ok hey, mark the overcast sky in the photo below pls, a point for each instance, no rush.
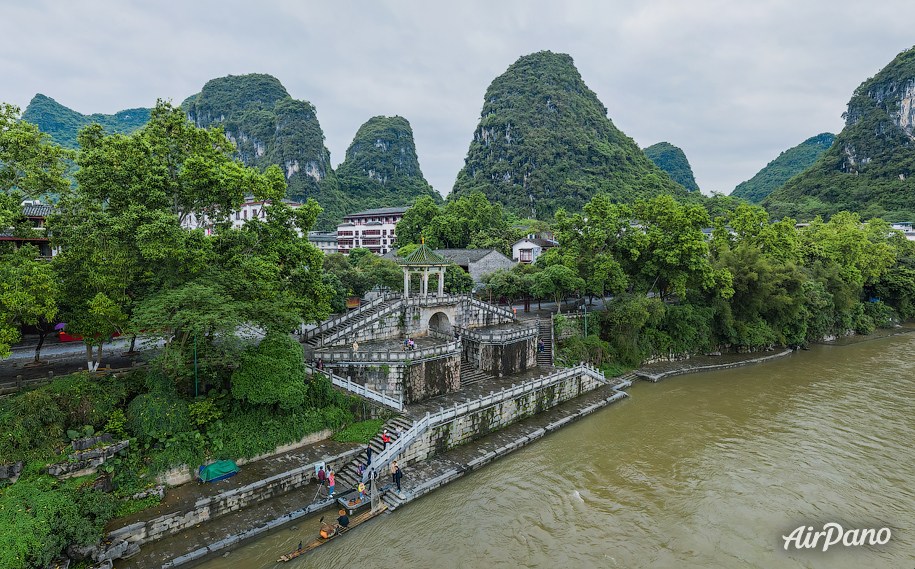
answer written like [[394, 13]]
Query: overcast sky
[[732, 83]]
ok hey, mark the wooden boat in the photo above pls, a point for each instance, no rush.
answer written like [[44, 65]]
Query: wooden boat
[[354, 522]]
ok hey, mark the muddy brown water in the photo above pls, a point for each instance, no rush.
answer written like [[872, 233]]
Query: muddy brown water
[[702, 470]]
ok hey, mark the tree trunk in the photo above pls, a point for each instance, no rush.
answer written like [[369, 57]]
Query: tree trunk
[[41, 336], [89, 356], [133, 343], [99, 362]]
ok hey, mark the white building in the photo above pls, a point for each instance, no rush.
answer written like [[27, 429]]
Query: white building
[[527, 250], [906, 229], [250, 209], [326, 241], [372, 229]]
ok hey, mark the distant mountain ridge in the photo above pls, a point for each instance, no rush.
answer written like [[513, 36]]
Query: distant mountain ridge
[[63, 123], [673, 160], [788, 164], [544, 142], [870, 166]]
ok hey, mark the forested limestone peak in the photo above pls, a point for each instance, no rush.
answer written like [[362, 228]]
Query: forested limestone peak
[[267, 127], [544, 142], [673, 160], [381, 168], [63, 123], [869, 167], [788, 164]]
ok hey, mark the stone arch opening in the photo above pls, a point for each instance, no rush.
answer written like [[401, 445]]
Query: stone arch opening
[[440, 324]]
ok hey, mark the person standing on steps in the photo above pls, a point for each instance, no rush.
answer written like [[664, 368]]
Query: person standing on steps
[[396, 474], [368, 455], [385, 439], [331, 481], [540, 346], [322, 476]]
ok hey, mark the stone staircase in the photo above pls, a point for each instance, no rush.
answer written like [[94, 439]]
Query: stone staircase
[[545, 330], [348, 475], [471, 375], [315, 340]]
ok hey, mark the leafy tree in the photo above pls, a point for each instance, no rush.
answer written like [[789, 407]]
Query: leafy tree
[[457, 280], [27, 294], [272, 373], [410, 229], [29, 166], [676, 257], [187, 286], [557, 281]]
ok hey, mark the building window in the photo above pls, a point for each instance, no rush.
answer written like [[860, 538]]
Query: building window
[[237, 215]]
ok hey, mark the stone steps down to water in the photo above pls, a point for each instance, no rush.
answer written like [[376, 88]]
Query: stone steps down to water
[[471, 375], [545, 329], [347, 476]]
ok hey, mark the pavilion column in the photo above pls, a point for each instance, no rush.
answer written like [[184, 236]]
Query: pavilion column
[[441, 281], [406, 283], [425, 282]]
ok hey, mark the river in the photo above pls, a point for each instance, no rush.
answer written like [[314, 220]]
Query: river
[[703, 470]]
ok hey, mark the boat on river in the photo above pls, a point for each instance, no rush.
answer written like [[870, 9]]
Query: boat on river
[[327, 536]]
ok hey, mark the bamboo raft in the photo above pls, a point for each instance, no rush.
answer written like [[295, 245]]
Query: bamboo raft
[[318, 542]]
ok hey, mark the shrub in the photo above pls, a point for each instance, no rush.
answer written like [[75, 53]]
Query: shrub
[[203, 413], [31, 426], [155, 417], [271, 373], [42, 516]]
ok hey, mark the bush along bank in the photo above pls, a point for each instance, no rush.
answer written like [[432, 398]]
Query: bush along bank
[[114, 435]]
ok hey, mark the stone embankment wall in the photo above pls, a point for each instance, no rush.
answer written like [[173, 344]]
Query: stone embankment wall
[[480, 422], [431, 378], [506, 359]]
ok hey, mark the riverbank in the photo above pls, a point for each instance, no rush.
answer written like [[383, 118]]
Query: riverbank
[[220, 536], [196, 544]]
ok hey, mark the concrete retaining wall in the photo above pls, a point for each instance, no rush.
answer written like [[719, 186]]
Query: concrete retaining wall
[[506, 359], [478, 423]]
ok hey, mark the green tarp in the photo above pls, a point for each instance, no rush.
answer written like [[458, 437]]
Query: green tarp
[[219, 470]]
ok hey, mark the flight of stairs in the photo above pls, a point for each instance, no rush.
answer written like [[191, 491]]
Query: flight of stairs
[[313, 341], [545, 327], [471, 375], [348, 474]]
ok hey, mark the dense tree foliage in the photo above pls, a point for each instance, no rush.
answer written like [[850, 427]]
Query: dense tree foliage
[[121, 221], [544, 142], [30, 166], [672, 160], [469, 220], [788, 164], [381, 168], [868, 169]]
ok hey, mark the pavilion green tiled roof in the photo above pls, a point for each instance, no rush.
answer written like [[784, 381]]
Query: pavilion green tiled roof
[[425, 256]]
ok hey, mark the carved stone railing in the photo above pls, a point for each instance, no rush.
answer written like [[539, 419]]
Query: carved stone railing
[[330, 355], [430, 420], [395, 403], [331, 323], [499, 336]]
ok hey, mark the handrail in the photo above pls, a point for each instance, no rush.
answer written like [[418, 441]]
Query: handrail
[[330, 323], [491, 307], [361, 390], [384, 458], [393, 307], [387, 356], [498, 336]]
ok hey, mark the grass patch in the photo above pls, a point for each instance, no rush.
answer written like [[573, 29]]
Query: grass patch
[[128, 507], [361, 432]]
